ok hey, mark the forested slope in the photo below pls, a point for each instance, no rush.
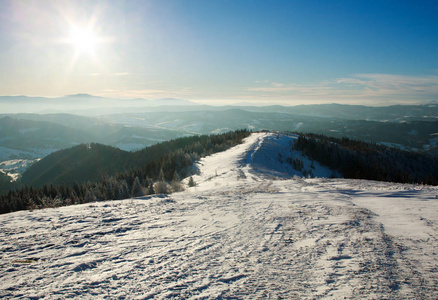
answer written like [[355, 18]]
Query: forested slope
[[361, 160], [115, 174], [85, 162]]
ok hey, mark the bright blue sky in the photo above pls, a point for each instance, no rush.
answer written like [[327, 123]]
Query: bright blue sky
[[289, 52]]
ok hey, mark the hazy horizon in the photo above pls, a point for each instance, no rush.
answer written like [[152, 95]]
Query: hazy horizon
[[223, 52]]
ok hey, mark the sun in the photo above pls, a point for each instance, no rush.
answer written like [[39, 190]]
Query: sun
[[84, 39]]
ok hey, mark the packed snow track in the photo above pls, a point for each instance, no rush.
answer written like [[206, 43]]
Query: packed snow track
[[248, 230]]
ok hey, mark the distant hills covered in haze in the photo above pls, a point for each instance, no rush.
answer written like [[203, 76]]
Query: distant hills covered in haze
[[90, 105], [27, 123], [83, 104]]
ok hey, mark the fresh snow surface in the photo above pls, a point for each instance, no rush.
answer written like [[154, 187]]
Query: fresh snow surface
[[15, 167], [246, 231]]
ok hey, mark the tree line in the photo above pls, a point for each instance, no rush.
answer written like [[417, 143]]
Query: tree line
[[362, 160], [158, 170]]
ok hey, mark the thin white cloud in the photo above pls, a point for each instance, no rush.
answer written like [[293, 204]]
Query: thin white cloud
[[122, 74], [396, 84], [110, 74], [358, 87], [146, 93], [275, 87]]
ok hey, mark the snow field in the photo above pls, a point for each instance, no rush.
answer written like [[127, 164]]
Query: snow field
[[246, 231]]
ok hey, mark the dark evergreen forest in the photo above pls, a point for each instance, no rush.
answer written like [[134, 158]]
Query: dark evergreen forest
[[362, 160], [117, 174]]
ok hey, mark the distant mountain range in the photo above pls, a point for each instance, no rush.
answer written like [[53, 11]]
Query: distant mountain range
[[90, 105], [82, 104], [36, 135], [138, 123], [130, 126]]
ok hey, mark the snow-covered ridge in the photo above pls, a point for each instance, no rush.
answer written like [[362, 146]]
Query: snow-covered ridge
[[266, 155], [246, 231]]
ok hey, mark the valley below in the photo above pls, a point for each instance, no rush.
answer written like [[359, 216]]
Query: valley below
[[247, 230]]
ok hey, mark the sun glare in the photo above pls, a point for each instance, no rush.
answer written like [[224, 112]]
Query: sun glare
[[84, 40]]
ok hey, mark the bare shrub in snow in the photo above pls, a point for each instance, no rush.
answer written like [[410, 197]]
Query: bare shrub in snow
[[176, 186], [176, 183], [162, 187], [47, 202]]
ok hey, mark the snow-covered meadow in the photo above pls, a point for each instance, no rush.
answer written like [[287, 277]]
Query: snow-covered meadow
[[248, 230]]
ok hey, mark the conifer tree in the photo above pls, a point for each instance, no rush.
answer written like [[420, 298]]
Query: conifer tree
[[89, 196], [175, 176], [151, 190], [192, 182], [176, 184], [161, 177], [136, 188]]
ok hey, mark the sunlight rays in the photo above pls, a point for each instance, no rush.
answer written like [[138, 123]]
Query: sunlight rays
[[84, 40]]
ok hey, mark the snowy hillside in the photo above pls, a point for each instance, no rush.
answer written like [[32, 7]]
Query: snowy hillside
[[14, 168], [248, 230]]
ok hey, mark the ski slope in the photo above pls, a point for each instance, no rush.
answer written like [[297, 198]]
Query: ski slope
[[250, 229]]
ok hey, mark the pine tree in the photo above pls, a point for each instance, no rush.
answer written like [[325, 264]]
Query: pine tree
[[151, 190], [89, 196], [192, 182], [161, 177], [122, 190], [176, 184], [136, 188], [175, 176]]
